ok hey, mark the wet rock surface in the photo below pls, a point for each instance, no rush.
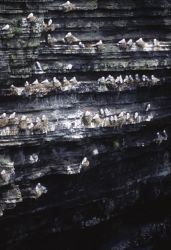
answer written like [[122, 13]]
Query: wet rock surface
[[85, 124]]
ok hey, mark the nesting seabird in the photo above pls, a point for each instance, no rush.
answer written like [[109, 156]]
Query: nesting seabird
[[140, 43], [39, 66], [70, 39], [128, 116], [26, 84], [81, 45], [50, 22], [6, 27], [121, 114], [106, 112], [165, 136], [87, 118], [154, 79], [31, 17], [136, 115], [65, 82], [51, 40], [4, 115], [69, 66], [23, 118], [131, 79], [148, 107], [99, 45], [56, 82], [68, 6], [97, 120], [12, 116], [101, 112], [73, 80], [159, 138], [4, 175], [137, 78], [40, 190], [101, 80], [126, 79], [130, 43], [35, 82], [156, 43], [122, 44], [46, 81], [85, 162]]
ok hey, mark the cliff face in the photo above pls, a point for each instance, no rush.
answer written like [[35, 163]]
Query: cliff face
[[85, 121]]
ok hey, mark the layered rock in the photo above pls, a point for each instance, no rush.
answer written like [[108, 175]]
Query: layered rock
[[84, 121]]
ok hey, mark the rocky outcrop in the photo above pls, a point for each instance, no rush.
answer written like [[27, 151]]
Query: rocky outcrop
[[84, 118]]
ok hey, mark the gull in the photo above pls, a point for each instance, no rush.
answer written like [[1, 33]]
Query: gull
[[156, 43], [136, 115], [12, 116], [165, 137], [154, 79], [68, 6], [6, 27], [4, 115], [140, 43], [106, 112], [121, 114], [50, 22], [23, 118], [148, 107], [97, 119], [130, 43], [102, 113], [69, 67], [26, 84], [128, 116], [85, 162], [99, 44], [46, 81], [31, 17], [35, 82], [122, 43], [137, 78], [81, 45], [65, 81], [131, 79], [73, 80], [102, 80], [69, 38]]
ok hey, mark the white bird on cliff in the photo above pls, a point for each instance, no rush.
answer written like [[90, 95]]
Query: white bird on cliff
[[46, 81], [12, 116], [148, 107], [35, 82], [122, 44], [30, 16], [50, 22], [4, 115], [81, 45], [6, 27], [154, 79], [165, 136], [140, 43], [69, 67], [156, 43]]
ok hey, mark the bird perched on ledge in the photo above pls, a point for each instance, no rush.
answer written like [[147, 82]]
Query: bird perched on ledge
[[70, 39], [6, 27], [68, 6], [31, 17], [140, 43], [99, 45]]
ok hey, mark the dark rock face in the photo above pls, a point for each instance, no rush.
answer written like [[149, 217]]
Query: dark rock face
[[85, 124]]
